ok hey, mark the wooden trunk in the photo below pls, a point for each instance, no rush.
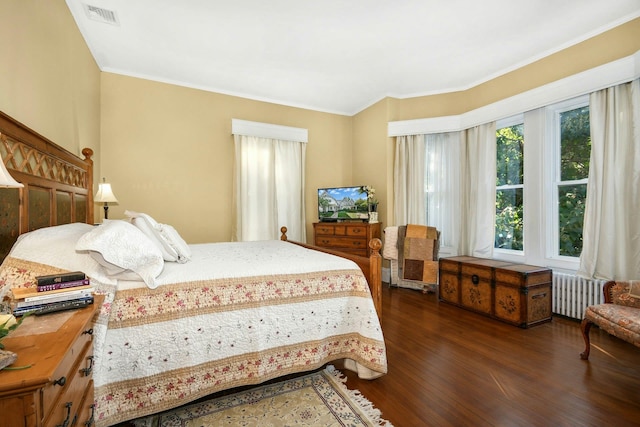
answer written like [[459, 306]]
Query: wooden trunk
[[514, 293], [523, 294]]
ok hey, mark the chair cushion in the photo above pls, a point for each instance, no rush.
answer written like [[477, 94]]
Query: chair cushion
[[618, 320]]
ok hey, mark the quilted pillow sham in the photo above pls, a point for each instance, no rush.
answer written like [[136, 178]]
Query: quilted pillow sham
[[121, 247]]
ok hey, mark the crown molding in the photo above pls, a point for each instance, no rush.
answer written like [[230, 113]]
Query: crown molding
[[603, 76]]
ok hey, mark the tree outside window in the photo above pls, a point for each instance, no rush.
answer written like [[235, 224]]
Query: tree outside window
[[509, 188], [575, 152]]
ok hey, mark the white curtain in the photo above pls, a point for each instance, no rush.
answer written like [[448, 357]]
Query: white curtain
[[479, 206], [443, 184], [268, 188], [408, 183], [611, 231]]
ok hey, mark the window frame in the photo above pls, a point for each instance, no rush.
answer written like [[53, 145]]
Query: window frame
[[517, 119], [540, 194], [553, 179]]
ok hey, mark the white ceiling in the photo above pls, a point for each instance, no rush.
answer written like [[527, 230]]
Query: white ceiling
[[338, 56]]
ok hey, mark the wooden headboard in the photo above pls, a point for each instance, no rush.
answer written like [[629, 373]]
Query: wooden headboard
[[58, 185]]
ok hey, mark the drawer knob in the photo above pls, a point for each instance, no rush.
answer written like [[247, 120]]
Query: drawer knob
[[60, 381], [65, 423], [88, 331], [475, 279], [87, 371]]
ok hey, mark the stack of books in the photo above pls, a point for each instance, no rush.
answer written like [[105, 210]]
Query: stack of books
[[53, 293]]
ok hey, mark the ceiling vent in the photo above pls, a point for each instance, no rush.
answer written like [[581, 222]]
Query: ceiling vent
[[99, 14]]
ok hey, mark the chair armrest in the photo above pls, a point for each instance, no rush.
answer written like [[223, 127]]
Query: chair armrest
[[617, 292]]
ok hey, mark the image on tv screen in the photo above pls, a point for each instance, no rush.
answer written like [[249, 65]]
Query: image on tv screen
[[343, 203]]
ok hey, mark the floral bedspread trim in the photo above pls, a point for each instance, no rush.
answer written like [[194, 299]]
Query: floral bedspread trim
[[142, 306], [160, 392], [19, 273]]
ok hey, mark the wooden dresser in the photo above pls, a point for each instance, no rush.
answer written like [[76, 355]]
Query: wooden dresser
[[57, 390], [519, 294], [352, 237]]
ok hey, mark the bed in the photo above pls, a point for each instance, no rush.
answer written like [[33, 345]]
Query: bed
[[215, 317]]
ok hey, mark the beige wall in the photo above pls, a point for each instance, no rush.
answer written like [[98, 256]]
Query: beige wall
[[620, 42], [48, 78], [168, 151]]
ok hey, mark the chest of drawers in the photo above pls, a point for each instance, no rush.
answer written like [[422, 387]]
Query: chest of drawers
[[351, 237], [57, 388]]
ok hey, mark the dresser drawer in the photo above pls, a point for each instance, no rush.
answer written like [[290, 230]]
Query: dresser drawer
[[341, 242], [69, 403], [86, 414], [66, 372], [356, 231], [325, 230]]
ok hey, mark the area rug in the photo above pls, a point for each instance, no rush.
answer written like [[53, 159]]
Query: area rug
[[317, 399]]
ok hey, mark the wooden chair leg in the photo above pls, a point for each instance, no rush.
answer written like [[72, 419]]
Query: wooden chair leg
[[585, 326]]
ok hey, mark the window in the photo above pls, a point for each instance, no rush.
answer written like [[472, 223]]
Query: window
[[573, 151], [541, 186], [269, 180], [509, 221]]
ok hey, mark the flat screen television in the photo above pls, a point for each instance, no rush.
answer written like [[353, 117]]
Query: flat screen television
[[343, 204]]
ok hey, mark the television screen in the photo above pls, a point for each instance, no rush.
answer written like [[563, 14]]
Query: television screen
[[343, 204]]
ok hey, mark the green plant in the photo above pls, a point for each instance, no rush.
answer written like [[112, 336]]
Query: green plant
[[8, 323]]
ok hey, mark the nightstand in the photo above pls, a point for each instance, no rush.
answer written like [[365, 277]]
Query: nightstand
[[57, 390]]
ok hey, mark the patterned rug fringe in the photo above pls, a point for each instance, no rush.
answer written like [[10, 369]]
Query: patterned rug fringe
[[374, 414], [337, 378]]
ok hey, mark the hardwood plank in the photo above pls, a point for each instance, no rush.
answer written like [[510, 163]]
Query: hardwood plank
[[451, 367]]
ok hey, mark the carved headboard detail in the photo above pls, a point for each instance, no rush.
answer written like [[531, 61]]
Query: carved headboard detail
[[58, 185]]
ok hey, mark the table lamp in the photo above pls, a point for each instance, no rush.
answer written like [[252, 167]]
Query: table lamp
[[105, 195]]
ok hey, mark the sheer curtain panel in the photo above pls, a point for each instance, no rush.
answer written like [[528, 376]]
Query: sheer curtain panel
[[479, 209], [268, 188], [408, 186], [611, 231], [443, 186]]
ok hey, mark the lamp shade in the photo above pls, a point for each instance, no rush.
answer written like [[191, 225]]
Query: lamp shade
[[105, 194], [6, 180]]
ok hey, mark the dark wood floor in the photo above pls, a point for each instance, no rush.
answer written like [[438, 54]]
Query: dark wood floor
[[451, 367]]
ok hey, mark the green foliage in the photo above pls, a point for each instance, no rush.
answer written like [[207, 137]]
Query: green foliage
[[509, 202], [571, 204], [575, 152], [4, 329], [575, 139], [509, 148], [509, 220]]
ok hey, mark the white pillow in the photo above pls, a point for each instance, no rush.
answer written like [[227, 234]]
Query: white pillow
[[165, 237], [125, 247], [56, 246], [171, 236]]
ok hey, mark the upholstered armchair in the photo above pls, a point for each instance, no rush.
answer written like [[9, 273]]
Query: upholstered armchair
[[619, 315]]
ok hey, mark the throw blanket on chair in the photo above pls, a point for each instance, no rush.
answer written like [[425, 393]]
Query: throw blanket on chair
[[418, 253], [390, 250]]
